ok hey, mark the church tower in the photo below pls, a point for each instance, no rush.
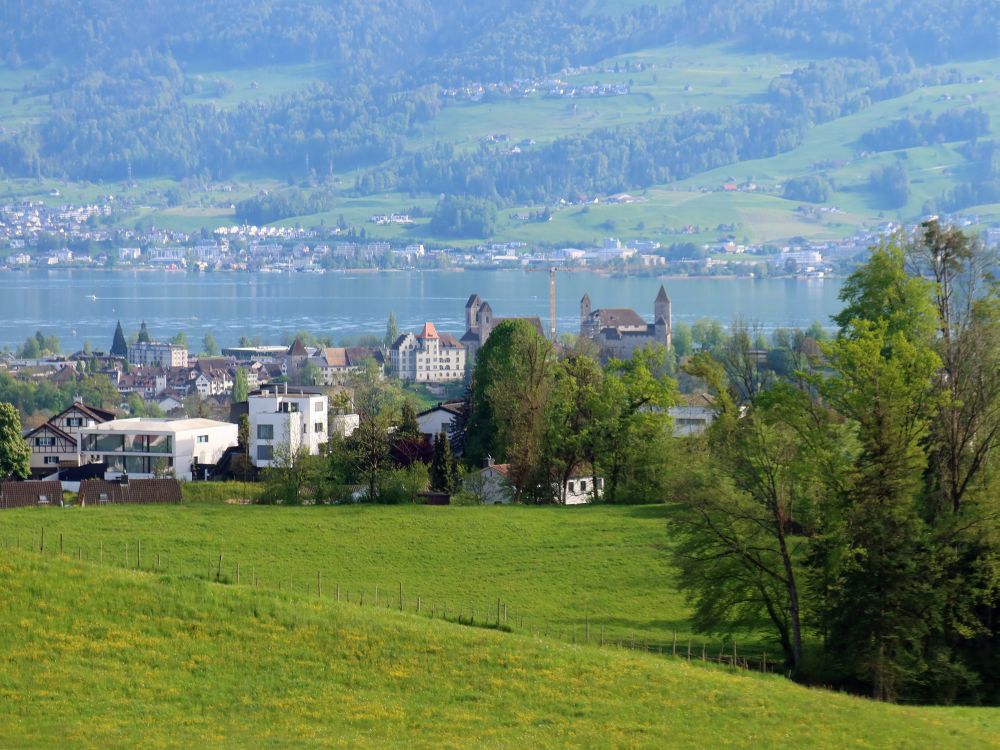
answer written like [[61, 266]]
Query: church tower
[[662, 311], [585, 314]]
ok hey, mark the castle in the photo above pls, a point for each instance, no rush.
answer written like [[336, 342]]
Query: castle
[[619, 331], [480, 322]]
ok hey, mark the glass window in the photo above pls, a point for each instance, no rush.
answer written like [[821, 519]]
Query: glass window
[[136, 444], [318, 427], [51, 459], [74, 422], [203, 438], [45, 441], [572, 486], [265, 432], [583, 486], [160, 443], [265, 452], [104, 443]]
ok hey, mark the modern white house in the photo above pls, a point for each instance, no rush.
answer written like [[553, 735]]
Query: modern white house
[[428, 357], [279, 418], [143, 447]]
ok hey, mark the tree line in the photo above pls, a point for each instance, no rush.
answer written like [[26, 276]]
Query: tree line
[[850, 505]]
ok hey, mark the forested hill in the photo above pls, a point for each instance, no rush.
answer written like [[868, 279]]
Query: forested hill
[[118, 87]]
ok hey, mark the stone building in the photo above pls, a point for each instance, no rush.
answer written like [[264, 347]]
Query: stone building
[[620, 332]]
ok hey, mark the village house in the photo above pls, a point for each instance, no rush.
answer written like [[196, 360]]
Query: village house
[[492, 485], [56, 444], [620, 332], [428, 357], [439, 418]]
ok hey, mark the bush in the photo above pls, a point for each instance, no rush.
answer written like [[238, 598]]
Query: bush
[[402, 485]]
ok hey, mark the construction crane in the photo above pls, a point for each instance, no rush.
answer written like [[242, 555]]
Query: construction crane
[[552, 299]]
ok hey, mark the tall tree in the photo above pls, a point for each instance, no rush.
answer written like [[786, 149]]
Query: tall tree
[[573, 417], [241, 388], [442, 472], [391, 331], [211, 348], [119, 348], [15, 455], [511, 385]]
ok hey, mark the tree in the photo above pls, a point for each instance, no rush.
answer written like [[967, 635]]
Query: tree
[[882, 599], [391, 331], [180, 339], [209, 345], [681, 337], [707, 333], [511, 385], [118, 346], [573, 417], [241, 388], [144, 337], [293, 477], [443, 474], [636, 395], [15, 455]]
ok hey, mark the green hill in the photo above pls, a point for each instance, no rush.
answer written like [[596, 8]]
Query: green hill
[[100, 658], [556, 568]]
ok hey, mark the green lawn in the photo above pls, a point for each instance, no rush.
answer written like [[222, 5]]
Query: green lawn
[[555, 567], [101, 658]]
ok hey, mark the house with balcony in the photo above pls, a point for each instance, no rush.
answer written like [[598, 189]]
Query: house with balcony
[[144, 447]]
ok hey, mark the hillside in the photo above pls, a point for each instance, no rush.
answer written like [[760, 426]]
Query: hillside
[[193, 112], [555, 568], [99, 658]]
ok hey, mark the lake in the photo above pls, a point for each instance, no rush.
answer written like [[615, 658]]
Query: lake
[[79, 305]]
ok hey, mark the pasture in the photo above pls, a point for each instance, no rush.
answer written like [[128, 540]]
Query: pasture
[[95, 657]]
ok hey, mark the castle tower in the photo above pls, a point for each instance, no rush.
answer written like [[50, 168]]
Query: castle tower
[[472, 310], [484, 319], [662, 311], [585, 311]]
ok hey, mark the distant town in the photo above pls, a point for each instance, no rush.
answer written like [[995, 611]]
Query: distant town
[[36, 235]]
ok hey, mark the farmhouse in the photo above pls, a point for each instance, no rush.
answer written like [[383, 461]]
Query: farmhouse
[[55, 444]]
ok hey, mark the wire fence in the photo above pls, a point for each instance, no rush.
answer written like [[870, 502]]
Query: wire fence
[[494, 615]]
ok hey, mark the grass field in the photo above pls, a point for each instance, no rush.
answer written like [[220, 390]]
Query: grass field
[[555, 567], [101, 658]]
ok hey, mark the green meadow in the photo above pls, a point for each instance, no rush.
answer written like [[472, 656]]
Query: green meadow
[[98, 658], [558, 570]]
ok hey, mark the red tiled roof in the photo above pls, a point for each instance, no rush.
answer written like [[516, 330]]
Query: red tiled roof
[[428, 332]]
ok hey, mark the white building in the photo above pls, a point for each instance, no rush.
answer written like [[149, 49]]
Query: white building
[[142, 447], [428, 357], [282, 419], [157, 354], [492, 486]]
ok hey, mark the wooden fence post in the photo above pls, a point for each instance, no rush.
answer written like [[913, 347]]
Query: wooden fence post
[[237, 574], [319, 585], [338, 592], [60, 543], [41, 546], [400, 596], [102, 553], [418, 604], [689, 649], [376, 596], [218, 572], [138, 554], [602, 636], [675, 643], [498, 611], [587, 627]]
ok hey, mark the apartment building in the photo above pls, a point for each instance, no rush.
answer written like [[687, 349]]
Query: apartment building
[[285, 417]]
